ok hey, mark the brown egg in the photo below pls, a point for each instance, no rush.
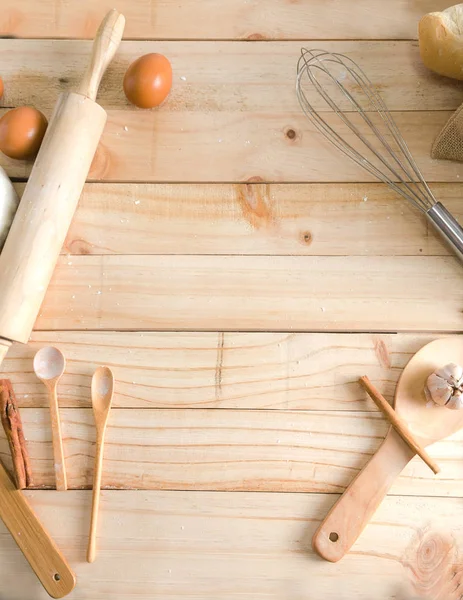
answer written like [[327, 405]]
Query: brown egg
[[21, 132], [2, 88], [148, 80]]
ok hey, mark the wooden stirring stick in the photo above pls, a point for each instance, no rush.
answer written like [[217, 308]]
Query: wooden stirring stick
[[399, 425], [102, 395]]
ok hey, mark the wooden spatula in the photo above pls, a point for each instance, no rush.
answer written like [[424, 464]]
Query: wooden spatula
[[37, 546], [428, 424]]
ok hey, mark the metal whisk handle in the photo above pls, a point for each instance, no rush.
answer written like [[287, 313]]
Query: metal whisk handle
[[448, 227]]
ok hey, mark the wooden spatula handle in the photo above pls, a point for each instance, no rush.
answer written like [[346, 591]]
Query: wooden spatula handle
[[37, 546], [354, 509], [105, 45]]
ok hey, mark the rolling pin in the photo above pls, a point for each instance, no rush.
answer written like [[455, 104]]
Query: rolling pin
[[29, 257]]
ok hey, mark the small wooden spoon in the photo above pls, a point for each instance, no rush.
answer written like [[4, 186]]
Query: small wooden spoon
[[102, 395], [49, 365], [427, 425]]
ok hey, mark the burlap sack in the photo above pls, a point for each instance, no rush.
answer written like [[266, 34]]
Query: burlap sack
[[449, 143]]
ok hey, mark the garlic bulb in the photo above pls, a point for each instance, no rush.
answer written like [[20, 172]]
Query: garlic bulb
[[445, 386]]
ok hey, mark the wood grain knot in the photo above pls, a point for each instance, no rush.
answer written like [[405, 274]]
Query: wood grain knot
[[306, 238], [255, 179], [291, 134], [255, 37], [432, 564], [78, 246], [255, 202], [101, 163], [382, 353]]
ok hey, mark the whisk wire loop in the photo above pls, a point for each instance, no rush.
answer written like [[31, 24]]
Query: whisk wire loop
[[402, 174]]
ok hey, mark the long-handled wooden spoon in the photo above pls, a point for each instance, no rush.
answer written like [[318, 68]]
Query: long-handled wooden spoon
[[427, 425], [102, 395], [49, 365]]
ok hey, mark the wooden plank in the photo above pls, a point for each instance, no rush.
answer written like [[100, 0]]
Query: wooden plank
[[219, 370], [236, 77], [216, 19], [192, 546], [288, 219], [286, 293], [227, 146], [230, 450]]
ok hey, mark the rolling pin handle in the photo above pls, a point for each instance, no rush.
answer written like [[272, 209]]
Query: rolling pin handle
[[105, 45]]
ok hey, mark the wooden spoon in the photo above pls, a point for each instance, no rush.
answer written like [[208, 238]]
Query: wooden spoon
[[102, 395], [49, 365], [428, 424]]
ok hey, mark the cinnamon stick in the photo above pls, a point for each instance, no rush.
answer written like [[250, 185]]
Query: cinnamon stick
[[12, 425], [399, 424]]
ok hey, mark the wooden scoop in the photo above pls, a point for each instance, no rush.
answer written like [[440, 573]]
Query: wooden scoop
[[428, 424], [49, 365], [102, 395]]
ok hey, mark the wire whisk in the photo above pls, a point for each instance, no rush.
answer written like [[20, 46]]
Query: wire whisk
[[337, 96]]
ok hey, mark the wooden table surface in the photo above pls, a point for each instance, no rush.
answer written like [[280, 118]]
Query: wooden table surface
[[238, 275]]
